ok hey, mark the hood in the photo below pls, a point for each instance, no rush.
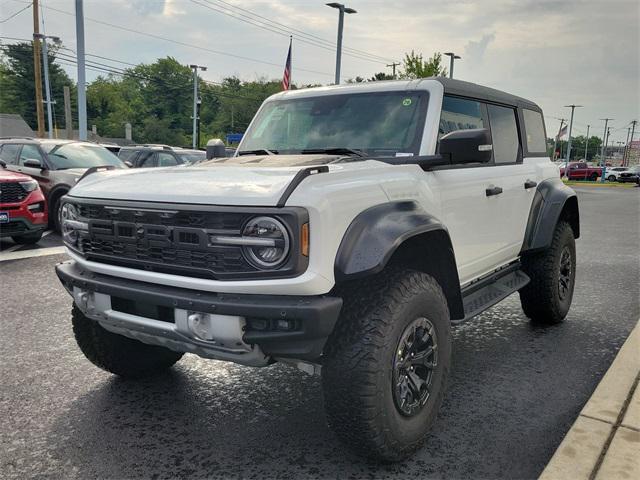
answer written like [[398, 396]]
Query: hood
[[248, 180], [10, 176]]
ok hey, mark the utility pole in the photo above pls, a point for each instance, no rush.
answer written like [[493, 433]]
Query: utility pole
[[342, 10], [196, 101], [586, 144], [566, 163], [633, 131], [82, 81], [68, 120], [452, 57], [555, 141], [603, 148], [37, 72], [393, 65], [47, 86]]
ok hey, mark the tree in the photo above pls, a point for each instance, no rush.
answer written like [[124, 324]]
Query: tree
[[17, 86], [414, 66], [381, 76], [577, 147]]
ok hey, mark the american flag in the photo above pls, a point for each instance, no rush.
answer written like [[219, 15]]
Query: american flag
[[562, 132], [286, 78]]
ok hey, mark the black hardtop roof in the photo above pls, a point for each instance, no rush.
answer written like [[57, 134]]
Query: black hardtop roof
[[468, 89]]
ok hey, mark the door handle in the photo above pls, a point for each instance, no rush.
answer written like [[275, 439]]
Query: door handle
[[493, 191], [530, 184]]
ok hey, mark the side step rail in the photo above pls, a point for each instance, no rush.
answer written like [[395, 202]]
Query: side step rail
[[488, 291]]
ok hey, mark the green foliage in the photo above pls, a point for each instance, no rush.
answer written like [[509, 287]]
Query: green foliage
[[381, 76], [577, 147], [17, 86], [415, 66]]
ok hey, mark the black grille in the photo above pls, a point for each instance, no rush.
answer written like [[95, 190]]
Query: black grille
[[12, 192]]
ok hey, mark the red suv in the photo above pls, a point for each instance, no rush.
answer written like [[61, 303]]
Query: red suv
[[23, 211]]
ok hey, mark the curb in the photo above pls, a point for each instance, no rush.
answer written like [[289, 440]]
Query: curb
[[604, 441]]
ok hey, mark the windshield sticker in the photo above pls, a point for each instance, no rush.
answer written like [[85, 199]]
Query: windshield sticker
[[406, 102]]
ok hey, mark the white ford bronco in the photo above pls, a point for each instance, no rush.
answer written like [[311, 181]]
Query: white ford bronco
[[354, 225]]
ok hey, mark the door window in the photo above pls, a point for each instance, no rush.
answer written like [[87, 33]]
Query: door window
[[166, 160], [504, 134], [459, 114], [147, 160], [30, 152], [534, 127], [9, 153]]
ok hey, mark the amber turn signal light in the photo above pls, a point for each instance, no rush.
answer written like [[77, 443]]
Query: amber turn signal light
[[304, 240]]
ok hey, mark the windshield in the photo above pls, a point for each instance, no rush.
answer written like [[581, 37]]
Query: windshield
[[78, 155], [192, 157], [375, 124]]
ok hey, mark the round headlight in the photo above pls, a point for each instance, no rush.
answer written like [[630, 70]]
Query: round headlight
[[268, 242], [69, 233]]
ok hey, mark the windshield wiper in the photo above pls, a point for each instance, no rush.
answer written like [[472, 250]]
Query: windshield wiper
[[259, 151], [335, 151]]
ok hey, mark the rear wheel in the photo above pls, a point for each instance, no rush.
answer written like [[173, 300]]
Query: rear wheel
[[386, 364], [593, 177], [547, 297], [612, 178], [117, 354]]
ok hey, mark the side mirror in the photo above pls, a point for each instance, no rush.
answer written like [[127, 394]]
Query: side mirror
[[467, 146], [215, 149], [128, 163], [32, 163]]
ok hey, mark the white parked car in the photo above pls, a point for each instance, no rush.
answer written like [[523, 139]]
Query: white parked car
[[353, 226], [614, 172]]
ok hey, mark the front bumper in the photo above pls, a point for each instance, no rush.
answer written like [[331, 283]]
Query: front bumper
[[133, 309], [23, 221]]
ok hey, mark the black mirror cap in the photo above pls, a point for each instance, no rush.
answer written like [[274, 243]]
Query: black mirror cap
[[32, 163], [467, 146], [2, 164]]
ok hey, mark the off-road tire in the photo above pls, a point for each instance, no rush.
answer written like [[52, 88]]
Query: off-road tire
[[29, 239], [116, 354], [357, 368], [540, 299]]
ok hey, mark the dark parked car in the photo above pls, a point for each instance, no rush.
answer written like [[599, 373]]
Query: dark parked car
[[56, 164], [146, 156], [631, 175]]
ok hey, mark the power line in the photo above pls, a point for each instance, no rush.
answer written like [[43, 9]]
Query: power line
[[16, 13], [274, 27], [184, 44]]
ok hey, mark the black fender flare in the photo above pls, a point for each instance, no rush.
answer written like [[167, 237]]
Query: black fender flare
[[552, 200], [377, 233]]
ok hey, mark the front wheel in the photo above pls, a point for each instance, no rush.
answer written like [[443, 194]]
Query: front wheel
[[593, 177], [612, 178], [117, 354], [547, 297], [386, 364]]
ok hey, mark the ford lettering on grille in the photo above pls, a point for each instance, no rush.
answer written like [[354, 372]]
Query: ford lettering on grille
[[149, 235]]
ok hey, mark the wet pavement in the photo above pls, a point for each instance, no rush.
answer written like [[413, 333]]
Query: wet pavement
[[514, 392]]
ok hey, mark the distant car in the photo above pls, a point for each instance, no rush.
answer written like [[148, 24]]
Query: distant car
[[613, 173], [56, 164], [581, 171], [149, 156], [23, 210], [631, 175]]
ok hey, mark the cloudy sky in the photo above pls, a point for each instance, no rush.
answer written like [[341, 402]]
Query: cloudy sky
[[552, 52]]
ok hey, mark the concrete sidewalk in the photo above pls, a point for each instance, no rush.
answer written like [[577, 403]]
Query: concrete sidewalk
[[604, 441]]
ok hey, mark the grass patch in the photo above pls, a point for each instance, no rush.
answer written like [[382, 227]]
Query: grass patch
[[587, 183]]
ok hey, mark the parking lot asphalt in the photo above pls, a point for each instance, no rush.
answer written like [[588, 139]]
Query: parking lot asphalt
[[515, 389]]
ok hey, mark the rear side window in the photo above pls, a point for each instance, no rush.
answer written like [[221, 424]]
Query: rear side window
[[459, 114], [504, 134], [534, 127], [9, 153]]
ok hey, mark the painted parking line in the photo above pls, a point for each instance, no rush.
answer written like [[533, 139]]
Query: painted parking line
[[36, 252]]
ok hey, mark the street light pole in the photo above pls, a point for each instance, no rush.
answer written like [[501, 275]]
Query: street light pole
[[342, 10], [566, 163], [196, 100], [47, 85], [452, 57], [82, 82], [603, 148], [586, 144]]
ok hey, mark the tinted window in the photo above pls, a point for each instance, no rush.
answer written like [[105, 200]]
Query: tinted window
[[166, 160], [459, 114], [30, 152], [126, 154], [376, 123], [504, 134], [192, 157], [9, 152], [534, 126], [147, 160], [79, 155]]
